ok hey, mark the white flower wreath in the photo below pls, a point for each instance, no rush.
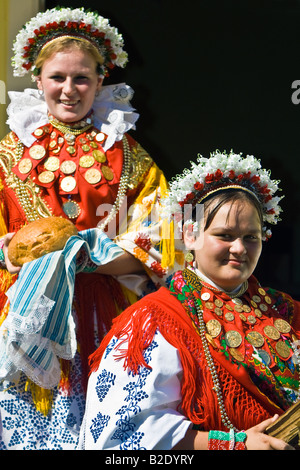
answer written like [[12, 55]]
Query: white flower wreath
[[66, 21], [220, 171]]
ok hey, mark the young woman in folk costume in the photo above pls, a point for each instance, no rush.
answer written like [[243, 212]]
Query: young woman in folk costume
[[69, 155], [210, 362]]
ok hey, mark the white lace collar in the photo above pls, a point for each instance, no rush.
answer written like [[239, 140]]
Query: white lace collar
[[113, 113]]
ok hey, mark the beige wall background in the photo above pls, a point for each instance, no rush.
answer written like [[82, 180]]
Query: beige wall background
[[14, 14]]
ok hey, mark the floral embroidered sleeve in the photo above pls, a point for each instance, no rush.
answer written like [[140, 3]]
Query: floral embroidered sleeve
[[126, 411]]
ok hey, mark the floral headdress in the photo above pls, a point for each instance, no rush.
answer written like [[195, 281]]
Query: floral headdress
[[222, 171], [59, 22]]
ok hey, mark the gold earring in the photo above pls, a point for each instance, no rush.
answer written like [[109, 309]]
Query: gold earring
[[189, 257]]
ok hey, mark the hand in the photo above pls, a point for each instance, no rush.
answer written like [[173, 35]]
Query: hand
[[9, 266], [258, 440]]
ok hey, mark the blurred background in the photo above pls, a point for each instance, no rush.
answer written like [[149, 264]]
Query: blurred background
[[208, 75]]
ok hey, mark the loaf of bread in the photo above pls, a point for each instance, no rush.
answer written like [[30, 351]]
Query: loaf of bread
[[39, 238]]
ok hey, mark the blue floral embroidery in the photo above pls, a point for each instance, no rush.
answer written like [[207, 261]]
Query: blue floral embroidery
[[98, 425], [125, 425], [110, 347], [104, 381]]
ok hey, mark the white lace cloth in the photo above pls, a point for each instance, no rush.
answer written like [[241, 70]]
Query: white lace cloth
[[113, 113]]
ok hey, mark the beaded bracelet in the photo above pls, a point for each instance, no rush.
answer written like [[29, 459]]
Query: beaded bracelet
[[220, 440]]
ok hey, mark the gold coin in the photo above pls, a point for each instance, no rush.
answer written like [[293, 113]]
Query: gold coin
[[268, 299], [251, 319], [71, 150], [213, 328], [53, 135], [52, 144], [237, 301], [271, 332], [218, 311], [265, 356], [282, 349], [263, 307], [233, 339], [282, 325], [246, 308], [205, 296], [99, 156], [68, 167], [254, 304], [256, 299], [229, 307], [93, 145], [262, 291], [209, 305], [258, 312], [38, 132], [60, 140], [52, 163], [25, 166], [242, 317], [46, 177], [236, 354], [68, 184], [86, 148], [87, 161], [56, 151], [238, 308], [255, 338], [100, 137], [107, 173], [92, 176], [218, 303], [229, 316], [37, 152]]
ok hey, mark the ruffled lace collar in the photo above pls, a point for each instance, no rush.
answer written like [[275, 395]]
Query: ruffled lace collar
[[113, 113]]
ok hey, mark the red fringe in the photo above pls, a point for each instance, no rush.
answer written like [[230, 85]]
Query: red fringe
[[137, 326], [98, 299]]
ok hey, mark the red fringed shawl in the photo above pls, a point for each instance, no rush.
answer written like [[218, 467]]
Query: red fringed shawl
[[245, 404]]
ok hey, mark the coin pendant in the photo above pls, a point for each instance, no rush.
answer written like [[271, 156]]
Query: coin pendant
[[46, 177], [261, 291], [107, 173], [255, 338], [233, 339], [100, 137], [229, 316], [25, 166], [85, 148], [87, 161], [218, 303], [263, 307], [251, 319], [229, 308], [213, 328], [246, 308], [71, 150], [282, 325], [236, 354], [68, 184], [268, 299], [237, 301], [71, 209], [92, 176], [265, 357], [258, 313], [52, 163], [209, 305], [282, 349], [68, 167], [218, 311], [271, 332], [37, 152], [205, 296], [99, 156], [256, 299]]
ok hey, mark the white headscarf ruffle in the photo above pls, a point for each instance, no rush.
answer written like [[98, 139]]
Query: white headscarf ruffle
[[113, 113]]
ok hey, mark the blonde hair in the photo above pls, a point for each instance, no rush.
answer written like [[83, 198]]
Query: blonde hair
[[64, 43]]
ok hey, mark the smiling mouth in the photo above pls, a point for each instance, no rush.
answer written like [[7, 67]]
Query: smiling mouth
[[68, 103]]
